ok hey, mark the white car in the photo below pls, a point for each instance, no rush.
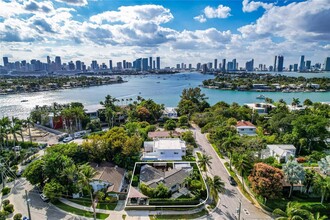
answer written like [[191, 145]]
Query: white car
[[44, 198], [67, 139]]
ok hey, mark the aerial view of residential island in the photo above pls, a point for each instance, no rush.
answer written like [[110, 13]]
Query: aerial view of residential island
[[165, 109]]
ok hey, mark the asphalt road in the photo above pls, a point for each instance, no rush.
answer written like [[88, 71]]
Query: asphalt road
[[229, 201]]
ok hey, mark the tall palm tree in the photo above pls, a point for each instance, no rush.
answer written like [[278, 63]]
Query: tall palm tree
[[16, 129], [4, 126], [294, 173], [109, 114], [295, 101], [322, 186], [231, 142], [216, 186], [293, 212], [70, 173], [204, 162], [28, 123], [86, 174], [242, 164]]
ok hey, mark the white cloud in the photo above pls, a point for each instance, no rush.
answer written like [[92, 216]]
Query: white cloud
[[220, 12], [250, 6], [200, 18], [209, 12], [74, 2], [128, 14]]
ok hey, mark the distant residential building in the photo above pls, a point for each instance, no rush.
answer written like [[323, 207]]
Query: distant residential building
[[124, 64], [249, 66], [164, 149], [204, 68], [144, 64], [246, 128], [230, 66], [78, 65], [94, 65], [170, 112], [209, 65], [280, 63], [295, 67], [290, 67], [5, 61], [234, 64], [119, 65], [293, 108], [58, 62], [198, 66], [261, 108], [71, 65], [158, 62], [110, 64], [282, 152], [302, 63], [275, 64], [150, 63], [327, 64], [308, 64], [215, 63], [223, 65]]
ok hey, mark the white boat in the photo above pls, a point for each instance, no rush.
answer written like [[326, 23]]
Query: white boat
[[261, 97]]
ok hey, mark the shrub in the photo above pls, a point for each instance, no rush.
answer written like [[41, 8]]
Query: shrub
[[9, 208], [18, 216], [110, 199], [301, 159], [5, 202], [135, 181], [195, 184], [5, 191]]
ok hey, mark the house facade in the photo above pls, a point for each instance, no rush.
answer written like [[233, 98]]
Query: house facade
[[164, 149], [246, 128], [170, 112]]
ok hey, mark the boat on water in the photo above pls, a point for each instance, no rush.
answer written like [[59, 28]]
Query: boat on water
[[24, 100], [261, 97], [158, 82]]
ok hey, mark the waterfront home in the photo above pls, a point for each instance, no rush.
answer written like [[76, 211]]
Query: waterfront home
[[92, 111], [282, 152], [109, 177], [293, 108], [164, 149], [261, 108], [170, 112], [173, 179], [246, 128], [163, 134]]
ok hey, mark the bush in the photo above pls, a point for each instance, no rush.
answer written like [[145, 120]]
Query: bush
[[111, 199], [5, 191], [301, 159], [5, 202], [173, 202], [9, 208], [135, 181], [18, 216]]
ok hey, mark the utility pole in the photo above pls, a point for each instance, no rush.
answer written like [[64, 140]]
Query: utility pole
[[28, 204], [239, 210]]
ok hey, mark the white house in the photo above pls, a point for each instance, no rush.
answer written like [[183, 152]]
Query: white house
[[246, 128], [261, 108], [282, 152], [170, 112], [164, 149]]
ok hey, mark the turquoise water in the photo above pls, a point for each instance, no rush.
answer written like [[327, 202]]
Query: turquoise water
[[164, 89]]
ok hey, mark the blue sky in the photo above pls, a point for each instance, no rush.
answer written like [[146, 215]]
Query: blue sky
[[188, 31]]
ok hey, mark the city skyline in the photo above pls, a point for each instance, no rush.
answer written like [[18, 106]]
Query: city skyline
[[178, 31]]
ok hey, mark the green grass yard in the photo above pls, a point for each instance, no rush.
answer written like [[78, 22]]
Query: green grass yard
[[106, 206], [180, 217]]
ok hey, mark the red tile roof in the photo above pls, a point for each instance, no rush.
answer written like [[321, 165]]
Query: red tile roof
[[244, 123]]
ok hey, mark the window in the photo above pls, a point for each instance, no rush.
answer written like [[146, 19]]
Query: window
[[176, 152], [162, 153], [251, 129]]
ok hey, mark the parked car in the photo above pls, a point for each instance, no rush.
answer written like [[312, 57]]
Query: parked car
[[232, 181], [17, 148], [44, 198], [19, 172], [67, 139], [42, 145], [61, 137]]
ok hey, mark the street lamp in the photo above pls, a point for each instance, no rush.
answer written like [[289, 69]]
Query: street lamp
[[238, 210]]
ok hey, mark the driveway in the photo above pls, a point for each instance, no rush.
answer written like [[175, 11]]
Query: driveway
[[229, 201]]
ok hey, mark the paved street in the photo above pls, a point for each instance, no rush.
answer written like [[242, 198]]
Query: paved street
[[230, 200]]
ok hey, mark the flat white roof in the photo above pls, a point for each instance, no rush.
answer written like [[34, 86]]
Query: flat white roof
[[169, 144]]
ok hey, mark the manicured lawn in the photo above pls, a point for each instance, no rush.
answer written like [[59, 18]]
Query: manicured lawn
[[79, 211], [185, 216], [107, 206], [82, 201]]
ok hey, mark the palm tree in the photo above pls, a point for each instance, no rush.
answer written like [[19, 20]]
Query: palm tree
[[16, 129], [204, 162], [109, 102], [317, 216], [70, 173], [216, 186], [293, 212], [86, 174], [28, 123], [294, 173], [242, 165], [4, 126], [309, 179], [295, 101], [231, 142], [109, 114], [322, 186]]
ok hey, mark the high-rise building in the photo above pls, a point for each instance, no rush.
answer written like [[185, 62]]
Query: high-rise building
[[234, 64], [308, 64], [144, 64], [230, 66], [215, 63], [124, 64], [94, 65], [327, 64], [153, 64], [110, 64], [295, 67], [249, 65], [71, 65], [150, 63], [5, 61], [290, 67], [58, 62], [48, 60], [302, 63], [198, 66], [137, 64], [275, 64], [158, 62], [119, 65], [204, 68], [280, 63], [190, 66], [178, 66], [209, 65], [78, 65], [83, 66], [223, 65]]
